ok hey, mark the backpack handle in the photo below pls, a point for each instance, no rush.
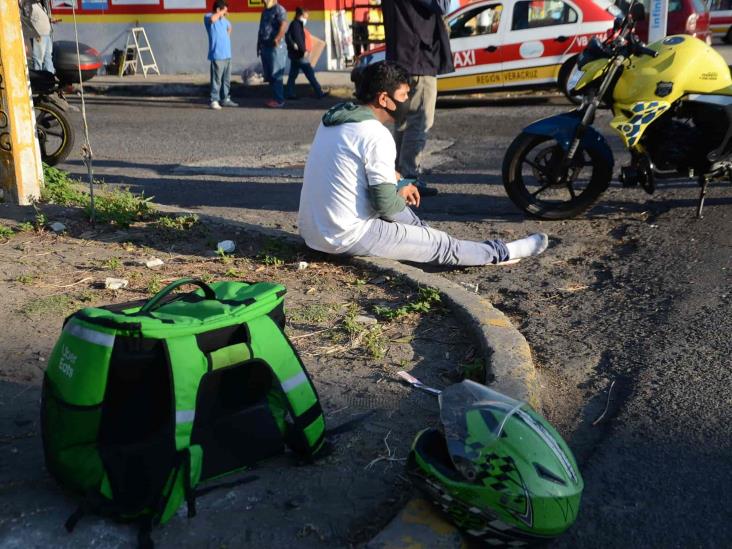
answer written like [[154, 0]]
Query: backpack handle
[[154, 302]]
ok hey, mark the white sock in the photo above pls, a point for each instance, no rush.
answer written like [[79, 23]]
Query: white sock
[[526, 247]]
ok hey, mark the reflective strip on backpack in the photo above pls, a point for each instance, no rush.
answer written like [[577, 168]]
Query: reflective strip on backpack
[[294, 382], [89, 335], [185, 416]]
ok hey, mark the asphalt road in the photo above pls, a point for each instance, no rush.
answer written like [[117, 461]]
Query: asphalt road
[[628, 312]]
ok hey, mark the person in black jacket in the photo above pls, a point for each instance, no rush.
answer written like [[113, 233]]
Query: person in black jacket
[[417, 39], [299, 56]]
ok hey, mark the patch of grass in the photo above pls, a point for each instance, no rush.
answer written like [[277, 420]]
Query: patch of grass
[[314, 313], [276, 252], [120, 207], [5, 232], [40, 221], [474, 370], [154, 285], [51, 305], [349, 324], [25, 279], [376, 342], [233, 272], [177, 223], [223, 256], [112, 264], [26, 227], [60, 188], [117, 206], [427, 299]]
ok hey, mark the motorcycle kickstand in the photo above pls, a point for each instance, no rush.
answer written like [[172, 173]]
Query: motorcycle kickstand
[[703, 182]]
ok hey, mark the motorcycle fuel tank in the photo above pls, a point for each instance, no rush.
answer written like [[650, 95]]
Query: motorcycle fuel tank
[[684, 65]]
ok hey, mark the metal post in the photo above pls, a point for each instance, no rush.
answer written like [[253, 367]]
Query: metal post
[[21, 171], [657, 19]]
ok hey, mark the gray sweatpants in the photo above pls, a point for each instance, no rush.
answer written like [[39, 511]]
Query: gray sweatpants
[[411, 132], [409, 238]]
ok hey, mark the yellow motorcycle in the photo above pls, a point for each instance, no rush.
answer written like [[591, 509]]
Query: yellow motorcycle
[[672, 106]]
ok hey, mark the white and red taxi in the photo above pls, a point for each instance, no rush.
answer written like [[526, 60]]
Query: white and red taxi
[[721, 19], [498, 44]]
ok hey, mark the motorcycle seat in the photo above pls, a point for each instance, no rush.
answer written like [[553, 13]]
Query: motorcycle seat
[[42, 81]]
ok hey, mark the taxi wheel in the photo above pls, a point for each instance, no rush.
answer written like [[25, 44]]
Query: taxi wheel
[[563, 79], [529, 177], [728, 37]]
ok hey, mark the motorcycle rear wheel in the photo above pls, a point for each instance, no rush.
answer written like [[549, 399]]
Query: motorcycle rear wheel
[[529, 182], [54, 132]]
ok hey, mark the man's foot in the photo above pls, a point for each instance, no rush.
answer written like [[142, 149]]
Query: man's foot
[[215, 105], [526, 247], [272, 104], [229, 103], [322, 95]]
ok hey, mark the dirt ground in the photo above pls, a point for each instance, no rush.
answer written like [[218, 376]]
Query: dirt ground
[[352, 356]]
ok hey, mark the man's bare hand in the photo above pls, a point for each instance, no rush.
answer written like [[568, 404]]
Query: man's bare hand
[[410, 194]]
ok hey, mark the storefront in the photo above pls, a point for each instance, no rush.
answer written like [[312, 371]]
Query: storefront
[[177, 35]]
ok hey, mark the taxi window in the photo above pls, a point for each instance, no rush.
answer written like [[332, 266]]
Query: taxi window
[[477, 22], [721, 5], [532, 14], [673, 6]]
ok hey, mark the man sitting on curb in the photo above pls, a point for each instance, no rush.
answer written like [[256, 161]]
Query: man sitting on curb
[[349, 202]]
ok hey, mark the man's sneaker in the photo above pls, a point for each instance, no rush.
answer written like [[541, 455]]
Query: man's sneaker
[[229, 103], [272, 104], [323, 95], [215, 105]]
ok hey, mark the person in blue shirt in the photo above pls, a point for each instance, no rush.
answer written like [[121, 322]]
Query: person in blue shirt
[[219, 53], [271, 48]]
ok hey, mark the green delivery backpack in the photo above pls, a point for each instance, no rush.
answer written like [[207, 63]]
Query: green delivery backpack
[[143, 401]]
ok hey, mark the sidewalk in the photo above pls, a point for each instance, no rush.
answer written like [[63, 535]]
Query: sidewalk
[[197, 85]]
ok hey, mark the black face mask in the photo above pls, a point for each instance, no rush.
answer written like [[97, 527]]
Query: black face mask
[[401, 110]]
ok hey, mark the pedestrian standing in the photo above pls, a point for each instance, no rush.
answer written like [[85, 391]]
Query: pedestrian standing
[[417, 39], [271, 48], [218, 28], [40, 23], [299, 45]]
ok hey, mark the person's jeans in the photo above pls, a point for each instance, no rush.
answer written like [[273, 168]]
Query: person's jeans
[[411, 132], [296, 65], [220, 79], [43, 54], [406, 237], [273, 65]]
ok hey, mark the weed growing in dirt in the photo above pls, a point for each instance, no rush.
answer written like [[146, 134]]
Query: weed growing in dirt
[[376, 342], [224, 257], [371, 338], [117, 206], [26, 227], [315, 313], [154, 285], [40, 221], [5, 232], [427, 299], [120, 207], [276, 252], [474, 370], [177, 223], [51, 305], [25, 279], [112, 264], [59, 188]]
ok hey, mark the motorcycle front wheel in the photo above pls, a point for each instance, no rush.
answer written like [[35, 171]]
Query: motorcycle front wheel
[[55, 133], [529, 176]]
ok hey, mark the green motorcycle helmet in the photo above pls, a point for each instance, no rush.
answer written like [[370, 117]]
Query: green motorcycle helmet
[[498, 469]]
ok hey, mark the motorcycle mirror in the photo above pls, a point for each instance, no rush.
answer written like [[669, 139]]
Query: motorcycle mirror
[[638, 11]]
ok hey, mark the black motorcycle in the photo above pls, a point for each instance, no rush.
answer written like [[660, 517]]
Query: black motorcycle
[[53, 128]]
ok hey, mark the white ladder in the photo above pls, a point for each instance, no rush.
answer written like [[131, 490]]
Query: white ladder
[[137, 42]]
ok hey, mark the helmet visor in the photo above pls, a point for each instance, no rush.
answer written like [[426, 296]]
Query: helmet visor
[[468, 411]]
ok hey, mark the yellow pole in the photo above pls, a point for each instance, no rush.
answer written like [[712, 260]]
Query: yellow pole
[[21, 171]]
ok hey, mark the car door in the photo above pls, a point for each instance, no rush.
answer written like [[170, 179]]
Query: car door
[[541, 33], [475, 40]]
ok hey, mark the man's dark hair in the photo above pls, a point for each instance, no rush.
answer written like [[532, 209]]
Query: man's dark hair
[[384, 76], [300, 11], [219, 5]]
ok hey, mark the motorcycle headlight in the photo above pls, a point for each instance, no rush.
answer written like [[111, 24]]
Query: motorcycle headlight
[[574, 78]]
